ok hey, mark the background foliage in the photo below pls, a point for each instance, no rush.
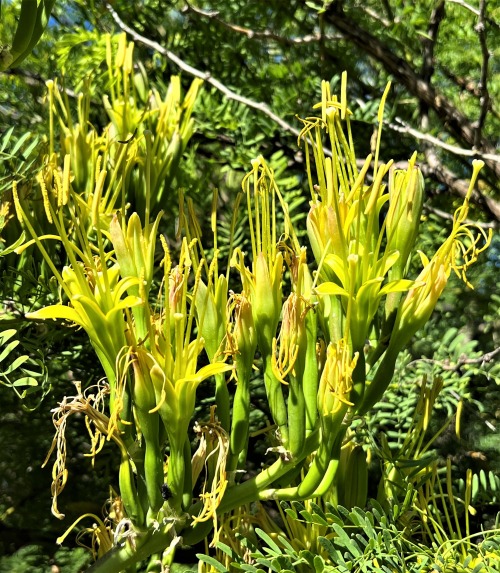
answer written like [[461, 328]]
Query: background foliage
[[443, 59]]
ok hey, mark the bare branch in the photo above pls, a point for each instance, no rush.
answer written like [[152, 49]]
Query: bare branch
[[483, 82], [465, 5], [463, 360], [429, 42], [403, 127], [205, 76], [456, 121], [261, 34], [428, 60], [449, 217], [475, 11]]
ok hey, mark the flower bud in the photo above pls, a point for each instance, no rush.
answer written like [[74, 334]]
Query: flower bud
[[406, 192], [244, 334], [266, 302]]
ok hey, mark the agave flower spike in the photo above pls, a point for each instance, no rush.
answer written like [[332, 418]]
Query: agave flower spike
[[263, 284], [172, 364], [345, 231], [294, 352], [241, 343], [97, 294], [134, 248], [458, 252]]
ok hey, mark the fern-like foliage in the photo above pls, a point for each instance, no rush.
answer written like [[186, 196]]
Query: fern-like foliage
[[354, 541]]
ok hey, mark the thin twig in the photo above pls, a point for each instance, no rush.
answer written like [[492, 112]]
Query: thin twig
[[475, 11], [462, 360], [449, 217], [205, 76], [403, 127], [465, 5], [259, 34], [483, 82]]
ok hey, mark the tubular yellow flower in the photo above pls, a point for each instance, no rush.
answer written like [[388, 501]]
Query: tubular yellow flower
[[344, 226], [336, 382], [406, 192], [458, 252]]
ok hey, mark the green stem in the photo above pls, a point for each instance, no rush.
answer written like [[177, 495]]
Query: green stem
[[358, 378], [126, 554], [222, 401], [310, 376], [241, 416], [154, 541], [296, 416], [377, 386], [276, 400], [176, 474], [187, 495]]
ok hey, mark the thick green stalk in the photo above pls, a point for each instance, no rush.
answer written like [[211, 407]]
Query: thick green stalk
[[241, 416], [319, 476], [377, 386], [156, 540], [310, 376], [222, 401], [176, 474], [153, 458], [358, 379], [296, 413], [126, 554], [128, 492], [187, 494], [276, 400]]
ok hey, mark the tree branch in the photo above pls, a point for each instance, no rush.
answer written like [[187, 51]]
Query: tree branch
[[456, 121], [205, 76], [262, 34], [434, 168], [483, 82], [467, 85], [403, 127], [475, 11]]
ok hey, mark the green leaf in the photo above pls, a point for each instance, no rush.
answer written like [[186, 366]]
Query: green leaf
[[211, 561], [319, 564], [25, 381], [270, 543], [329, 547], [7, 350], [344, 539], [12, 248], [16, 364]]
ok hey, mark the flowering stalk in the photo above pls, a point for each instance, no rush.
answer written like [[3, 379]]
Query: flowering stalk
[[263, 283], [328, 346], [458, 252], [242, 344]]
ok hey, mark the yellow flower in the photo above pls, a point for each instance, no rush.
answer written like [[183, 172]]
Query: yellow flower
[[458, 252], [336, 381]]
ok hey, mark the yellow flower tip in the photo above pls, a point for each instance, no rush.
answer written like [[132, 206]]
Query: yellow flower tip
[[336, 379], [17, 203], [257, 162], [477, 164], [50, 84], [45, 195]]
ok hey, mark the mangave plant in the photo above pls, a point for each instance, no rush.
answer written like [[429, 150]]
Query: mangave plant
[[321, 322]]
